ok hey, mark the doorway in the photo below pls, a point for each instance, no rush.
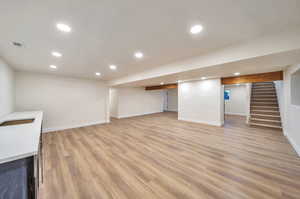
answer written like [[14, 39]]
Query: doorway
[[236, 103], [171, 100]]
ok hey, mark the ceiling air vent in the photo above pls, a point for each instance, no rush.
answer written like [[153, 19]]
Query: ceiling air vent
[[17, 44]]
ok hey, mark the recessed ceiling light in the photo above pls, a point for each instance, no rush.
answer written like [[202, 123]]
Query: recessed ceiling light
[[196, 29], [98, 74], [56, 54], [161, 83], [63, 27], [237, 73], [113, 67], [139, 55], [53, 67], [203, 78]]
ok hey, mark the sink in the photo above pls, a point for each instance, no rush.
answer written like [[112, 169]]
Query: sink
[[16, 122]]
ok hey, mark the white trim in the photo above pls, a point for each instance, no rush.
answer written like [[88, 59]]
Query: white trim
[[241, 114], [201, 122], [284, 133], [172, 110], [51, 129], [138, 114], [294, 145]]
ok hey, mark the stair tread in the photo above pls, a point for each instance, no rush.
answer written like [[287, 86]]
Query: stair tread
[[263, 87], [265, 120], [268, 95], [265, 102], [256, 93], [266, 111], [263, 99], [254, 114], [265, 125]]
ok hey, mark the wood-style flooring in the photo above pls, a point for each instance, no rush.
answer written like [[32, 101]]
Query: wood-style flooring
[[156, 156]]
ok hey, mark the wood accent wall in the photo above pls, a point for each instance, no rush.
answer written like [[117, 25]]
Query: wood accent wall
[[261, 77], [167, 86]]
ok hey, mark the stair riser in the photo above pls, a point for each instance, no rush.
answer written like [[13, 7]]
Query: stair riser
[[266, 117], [264, 109], [260, 103], [264, 100], [265, 113], [264, 97], [263, 93], [259, 83], [265, 104], [260, 125], [263, 90], [267, 123], [266, 87], [263, 86]]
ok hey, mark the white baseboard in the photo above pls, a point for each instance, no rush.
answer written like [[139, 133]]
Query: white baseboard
[[201, 122], [138, 114], [240, 114], [172, 110], [51, 129], [294, 145]]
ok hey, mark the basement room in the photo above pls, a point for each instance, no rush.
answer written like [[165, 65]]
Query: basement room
[[107, 99]]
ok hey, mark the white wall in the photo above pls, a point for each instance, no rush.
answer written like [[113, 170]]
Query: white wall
[[172, 99], [295, 82], [201, 101], [248, 101], [165, 94], [237, 103], [66, 102], [291, 113], [137, 101], [113, 105], [279, 86], [7, 89]]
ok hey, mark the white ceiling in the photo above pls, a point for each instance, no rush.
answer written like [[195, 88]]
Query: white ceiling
[[108, 32]]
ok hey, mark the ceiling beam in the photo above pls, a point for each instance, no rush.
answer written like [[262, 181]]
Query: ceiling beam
[[280, 48], [167, 86], [261, 77]]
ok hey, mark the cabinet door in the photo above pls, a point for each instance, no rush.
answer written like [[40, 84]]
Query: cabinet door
[[15, 179]]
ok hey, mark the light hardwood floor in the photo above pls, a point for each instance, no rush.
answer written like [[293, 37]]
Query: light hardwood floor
[[156, 156]]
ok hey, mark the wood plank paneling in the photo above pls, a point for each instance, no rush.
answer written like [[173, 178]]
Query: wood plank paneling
[[262, 77], [167, 86], [158, 157]]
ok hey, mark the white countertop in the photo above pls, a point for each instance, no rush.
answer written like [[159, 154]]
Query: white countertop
[[20, 141]]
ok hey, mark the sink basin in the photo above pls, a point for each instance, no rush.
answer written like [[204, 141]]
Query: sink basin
[[16, 122]]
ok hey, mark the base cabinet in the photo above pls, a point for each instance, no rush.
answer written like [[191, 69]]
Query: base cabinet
[[17, 179]]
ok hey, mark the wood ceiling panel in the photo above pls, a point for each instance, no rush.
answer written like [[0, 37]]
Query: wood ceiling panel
[[262, 77]]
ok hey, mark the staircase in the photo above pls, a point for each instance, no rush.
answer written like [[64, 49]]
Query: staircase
[[264, 109]]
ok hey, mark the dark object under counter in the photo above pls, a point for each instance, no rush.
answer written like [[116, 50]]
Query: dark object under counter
[[17, 179]]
